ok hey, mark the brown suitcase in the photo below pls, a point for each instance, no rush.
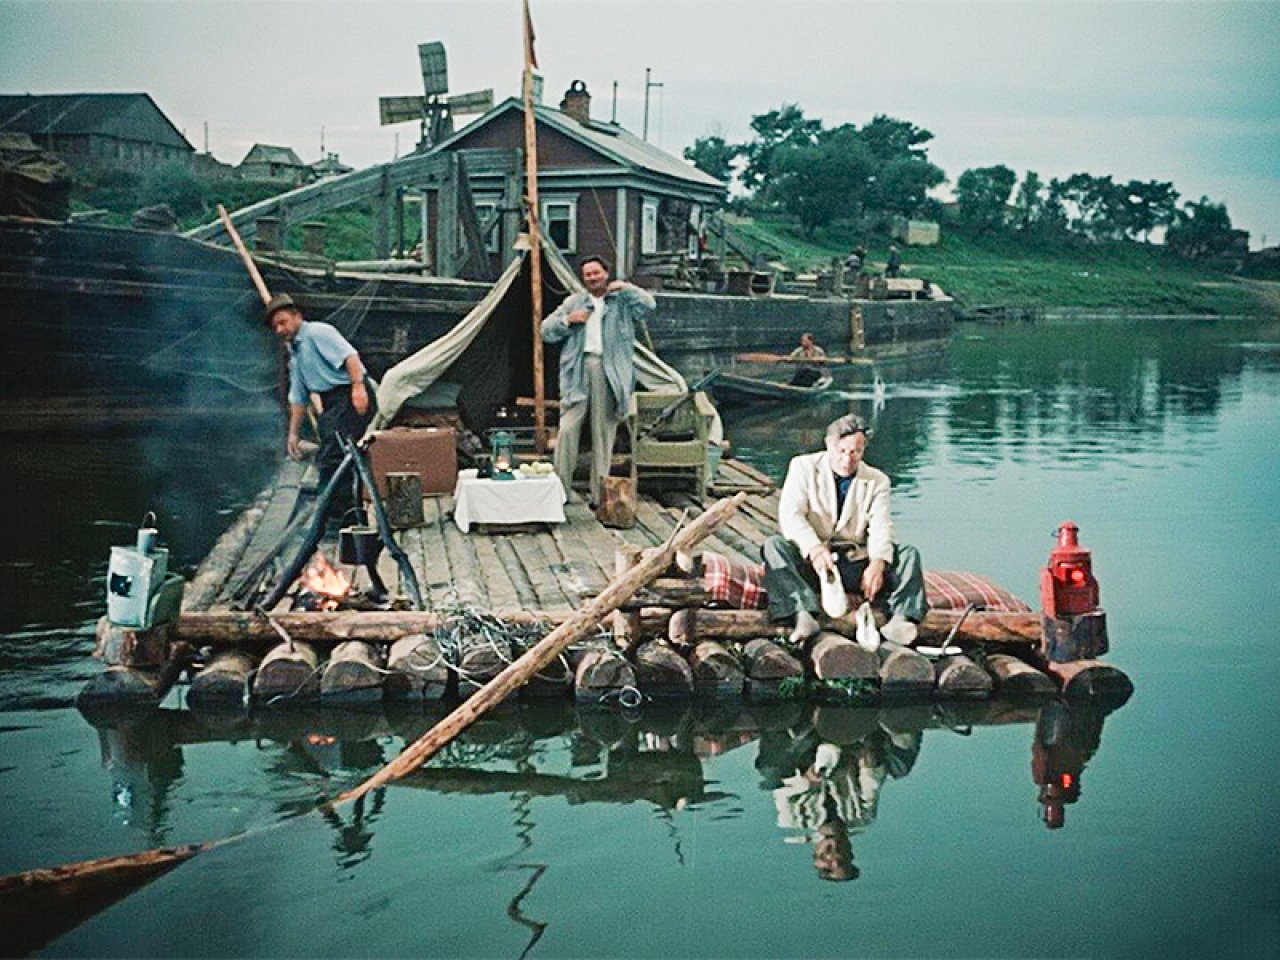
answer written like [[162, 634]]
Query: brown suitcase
[[430, 452]]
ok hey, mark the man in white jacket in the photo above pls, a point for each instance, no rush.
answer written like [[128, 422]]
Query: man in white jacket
[[833, 518]]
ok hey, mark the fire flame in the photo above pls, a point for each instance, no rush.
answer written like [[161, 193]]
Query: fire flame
[[323, 579]]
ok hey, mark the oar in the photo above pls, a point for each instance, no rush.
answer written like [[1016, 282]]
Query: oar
[[670, 409], [79, 890]]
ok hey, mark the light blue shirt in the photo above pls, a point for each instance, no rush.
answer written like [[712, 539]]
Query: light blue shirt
[[317, 355]]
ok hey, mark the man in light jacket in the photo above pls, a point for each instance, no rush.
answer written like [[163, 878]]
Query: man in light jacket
[[833, 515], [596, 333]]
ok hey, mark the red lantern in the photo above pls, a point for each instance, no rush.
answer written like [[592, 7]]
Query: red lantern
[[1067, 586]]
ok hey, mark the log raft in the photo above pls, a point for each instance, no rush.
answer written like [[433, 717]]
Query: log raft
[[670, 639]]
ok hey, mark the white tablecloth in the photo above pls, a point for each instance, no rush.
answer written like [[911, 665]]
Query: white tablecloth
[[520, 500]]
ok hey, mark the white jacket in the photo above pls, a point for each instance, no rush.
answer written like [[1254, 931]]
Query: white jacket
[[808, 513]]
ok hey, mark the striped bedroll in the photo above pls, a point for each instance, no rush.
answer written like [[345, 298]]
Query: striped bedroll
[[735, 583]]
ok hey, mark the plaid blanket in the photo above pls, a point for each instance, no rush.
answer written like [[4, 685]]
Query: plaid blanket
[[735, 583]]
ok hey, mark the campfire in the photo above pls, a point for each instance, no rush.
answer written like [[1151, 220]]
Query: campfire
[[323, 586]]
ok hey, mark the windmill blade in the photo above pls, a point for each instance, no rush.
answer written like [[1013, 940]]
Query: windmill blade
[[400, 109], [435, 68], [477, 101]]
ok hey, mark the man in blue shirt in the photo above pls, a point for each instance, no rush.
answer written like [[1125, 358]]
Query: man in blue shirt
[[323, 363]]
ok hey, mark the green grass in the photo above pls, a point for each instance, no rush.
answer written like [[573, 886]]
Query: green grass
[[1130, 277]]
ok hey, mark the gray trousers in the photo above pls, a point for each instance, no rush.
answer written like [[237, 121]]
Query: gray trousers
[[793, 585], [604, 428]]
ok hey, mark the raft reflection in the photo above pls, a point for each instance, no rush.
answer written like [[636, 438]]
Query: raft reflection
[[824, 766]]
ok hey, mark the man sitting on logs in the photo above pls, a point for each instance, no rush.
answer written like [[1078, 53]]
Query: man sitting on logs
[[322, 362], [833, 518]]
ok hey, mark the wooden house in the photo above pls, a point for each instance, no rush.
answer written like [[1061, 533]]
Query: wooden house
[[267, 162], [601, 189], [123, 131]]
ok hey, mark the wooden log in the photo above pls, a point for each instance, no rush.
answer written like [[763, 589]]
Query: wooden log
[[601, 672], [352, 674], [661, 672], [1091, 678], [404, 500], [417, 669], [120, 684], [716, 671], [958, 676], [1069, 638], [553, 680], [617, 507], [480, 662], [903, 672], [119, 646], [219, 562], [224, 680], [833, 657], [626, 626], [1017, 629], [128, 685], [768, 666], [682, 628], [1014, 677], [289, 671]]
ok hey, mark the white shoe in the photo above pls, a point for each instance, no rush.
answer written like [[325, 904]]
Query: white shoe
[[835, 602], [900, 630], [866, 634]]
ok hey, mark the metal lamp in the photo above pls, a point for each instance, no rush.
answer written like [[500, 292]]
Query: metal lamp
[[502, 452]]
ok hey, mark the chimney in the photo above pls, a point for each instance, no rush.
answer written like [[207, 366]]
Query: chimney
[[577, 102]]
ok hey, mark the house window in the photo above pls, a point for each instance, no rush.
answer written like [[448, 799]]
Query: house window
[[649, 226], [485, 209], [560, 223]]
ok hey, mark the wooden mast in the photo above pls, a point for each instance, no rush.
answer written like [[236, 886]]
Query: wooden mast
[[535, 240]]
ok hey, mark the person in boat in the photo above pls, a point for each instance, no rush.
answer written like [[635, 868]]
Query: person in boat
[[322, 363], [833, 520], [812, 356], [596, 332]]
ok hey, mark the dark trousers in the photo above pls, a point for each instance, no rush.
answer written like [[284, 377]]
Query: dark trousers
[[339, 418], [792, 583]]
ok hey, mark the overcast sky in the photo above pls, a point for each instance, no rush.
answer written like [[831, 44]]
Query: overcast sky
[[1181, 91]]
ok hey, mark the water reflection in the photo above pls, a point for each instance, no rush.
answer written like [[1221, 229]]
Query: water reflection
[[822, 770], [1098, 391]]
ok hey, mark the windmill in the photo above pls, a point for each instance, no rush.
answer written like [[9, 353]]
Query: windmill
[[436, 108]]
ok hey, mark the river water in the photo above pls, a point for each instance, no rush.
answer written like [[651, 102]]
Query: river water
[[692, 831]]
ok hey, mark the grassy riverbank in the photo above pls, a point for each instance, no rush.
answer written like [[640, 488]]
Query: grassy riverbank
[[1126, 277]]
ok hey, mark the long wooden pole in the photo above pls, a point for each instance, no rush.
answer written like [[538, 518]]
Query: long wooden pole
[[249, 265], [652, 562], [535, 238]]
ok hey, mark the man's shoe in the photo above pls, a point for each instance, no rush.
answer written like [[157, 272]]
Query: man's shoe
[[806, 627], [900, 630]]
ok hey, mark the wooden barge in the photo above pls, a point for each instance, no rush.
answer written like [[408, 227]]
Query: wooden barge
[[113, 325], [489, 594]]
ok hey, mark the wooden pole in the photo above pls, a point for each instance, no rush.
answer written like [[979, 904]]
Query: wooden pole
[[652, 562], [535, 239], [249, 265], [64, 886]]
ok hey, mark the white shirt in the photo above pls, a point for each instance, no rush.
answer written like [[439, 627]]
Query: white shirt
[[594, 342]]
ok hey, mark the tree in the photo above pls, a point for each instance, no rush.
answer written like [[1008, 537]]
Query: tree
[[1147, 205], [1201, 230], [1029, 201], [901, 186], [981, 195], [785, 128], [713, 156], [890, 139], [821, 182]]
